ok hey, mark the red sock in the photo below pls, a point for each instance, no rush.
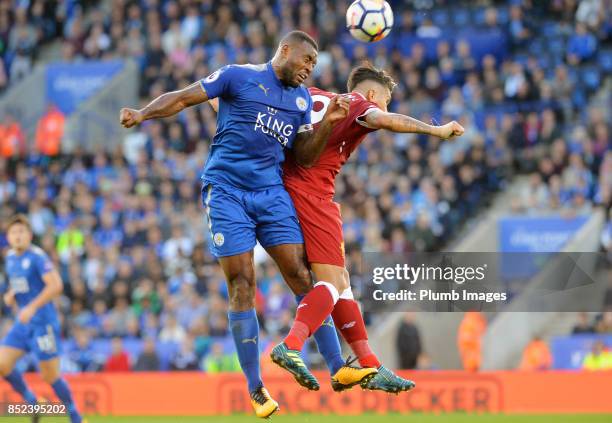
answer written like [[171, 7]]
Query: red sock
[[311, 312], [349, 321]]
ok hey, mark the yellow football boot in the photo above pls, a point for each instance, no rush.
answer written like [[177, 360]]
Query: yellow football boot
[[263, 404], [348, 376]]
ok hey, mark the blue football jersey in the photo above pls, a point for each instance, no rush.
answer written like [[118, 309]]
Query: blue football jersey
[[258, 118], [24, 273]]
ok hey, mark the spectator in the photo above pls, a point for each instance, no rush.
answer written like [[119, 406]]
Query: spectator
[[408, 342], [185, 358], [583, 325], [217, 361], [471, 331], [12, 138], [50, 131], [83, 355], [171, 331], [581, 46], [536, 356], [148, 360], [118, 361], [600, 358]]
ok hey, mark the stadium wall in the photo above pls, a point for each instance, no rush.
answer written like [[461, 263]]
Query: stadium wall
[[192, 393]]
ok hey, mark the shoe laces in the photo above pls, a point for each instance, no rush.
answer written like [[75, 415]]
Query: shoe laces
[[349, 361], [260, 396]]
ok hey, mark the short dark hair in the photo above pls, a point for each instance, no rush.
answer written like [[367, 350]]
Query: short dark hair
[[19, 219], [367, 72], [299, 37]]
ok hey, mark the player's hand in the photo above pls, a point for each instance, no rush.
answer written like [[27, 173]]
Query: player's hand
[[338, 109], [450, 130], [26, 314], [9, 298], [130, 117]]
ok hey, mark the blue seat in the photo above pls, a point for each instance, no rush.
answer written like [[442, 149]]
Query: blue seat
[[479, 16], [440, 17], [604, 60], [591, 78], [556, 46], [461, 17]]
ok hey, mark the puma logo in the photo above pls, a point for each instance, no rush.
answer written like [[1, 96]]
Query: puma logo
[[247, 340], [302, 305], [264, 89], [348, 325]]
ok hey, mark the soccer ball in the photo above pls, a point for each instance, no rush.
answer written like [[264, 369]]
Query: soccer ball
[[369, 20]]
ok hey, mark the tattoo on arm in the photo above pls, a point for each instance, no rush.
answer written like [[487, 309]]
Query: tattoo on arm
[[399, 123]]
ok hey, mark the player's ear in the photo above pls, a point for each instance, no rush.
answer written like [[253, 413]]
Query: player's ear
[[371, 95]]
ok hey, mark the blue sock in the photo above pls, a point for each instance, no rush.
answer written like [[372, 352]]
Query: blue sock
[[328, 344], [63, 393], [245, 330], [19, 385]]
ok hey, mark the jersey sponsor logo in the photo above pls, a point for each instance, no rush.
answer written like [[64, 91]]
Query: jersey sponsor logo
[[25, 263], [219, 239], [264, 89], [276, 128], [19, 285], [301, 103]]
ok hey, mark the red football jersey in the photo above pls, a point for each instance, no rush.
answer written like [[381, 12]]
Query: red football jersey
[[319, 180]]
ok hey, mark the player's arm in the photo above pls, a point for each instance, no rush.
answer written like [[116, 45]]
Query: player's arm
[[53, 288], [165, 105], [309, 144], [9, 298], [377, 119]]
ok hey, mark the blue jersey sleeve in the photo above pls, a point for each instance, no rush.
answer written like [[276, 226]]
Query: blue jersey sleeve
[[221, 83], [43, 263]]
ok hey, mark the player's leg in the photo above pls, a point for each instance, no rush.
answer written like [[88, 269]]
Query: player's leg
[[50, 373], [291, 260], [44, 343], [15, 345], [8, 358], [349, 321], [233, 239]]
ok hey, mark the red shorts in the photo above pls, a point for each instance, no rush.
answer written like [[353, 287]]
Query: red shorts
[[322, 227]]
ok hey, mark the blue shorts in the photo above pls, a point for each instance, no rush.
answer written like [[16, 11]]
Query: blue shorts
[[40, 339], [237, 219]]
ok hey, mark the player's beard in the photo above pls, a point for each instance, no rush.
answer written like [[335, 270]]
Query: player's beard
[[289, 77]]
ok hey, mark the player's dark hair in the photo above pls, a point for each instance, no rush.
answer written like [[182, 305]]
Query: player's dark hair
[[299, 37], [19, 219], [367, 72]]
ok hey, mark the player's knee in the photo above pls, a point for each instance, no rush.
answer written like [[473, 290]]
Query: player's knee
[[301, 281], [49, 375], [241, 292], [5, 368]]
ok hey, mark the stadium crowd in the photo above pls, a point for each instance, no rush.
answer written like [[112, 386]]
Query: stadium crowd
[[126, 227]]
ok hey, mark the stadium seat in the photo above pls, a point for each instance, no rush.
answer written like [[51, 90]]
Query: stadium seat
[[461, 17], [604, 60], [440, 17], [591, 78]]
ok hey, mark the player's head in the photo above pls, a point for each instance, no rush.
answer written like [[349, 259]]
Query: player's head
[[19, 232], [296, 57], [375, 84]]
